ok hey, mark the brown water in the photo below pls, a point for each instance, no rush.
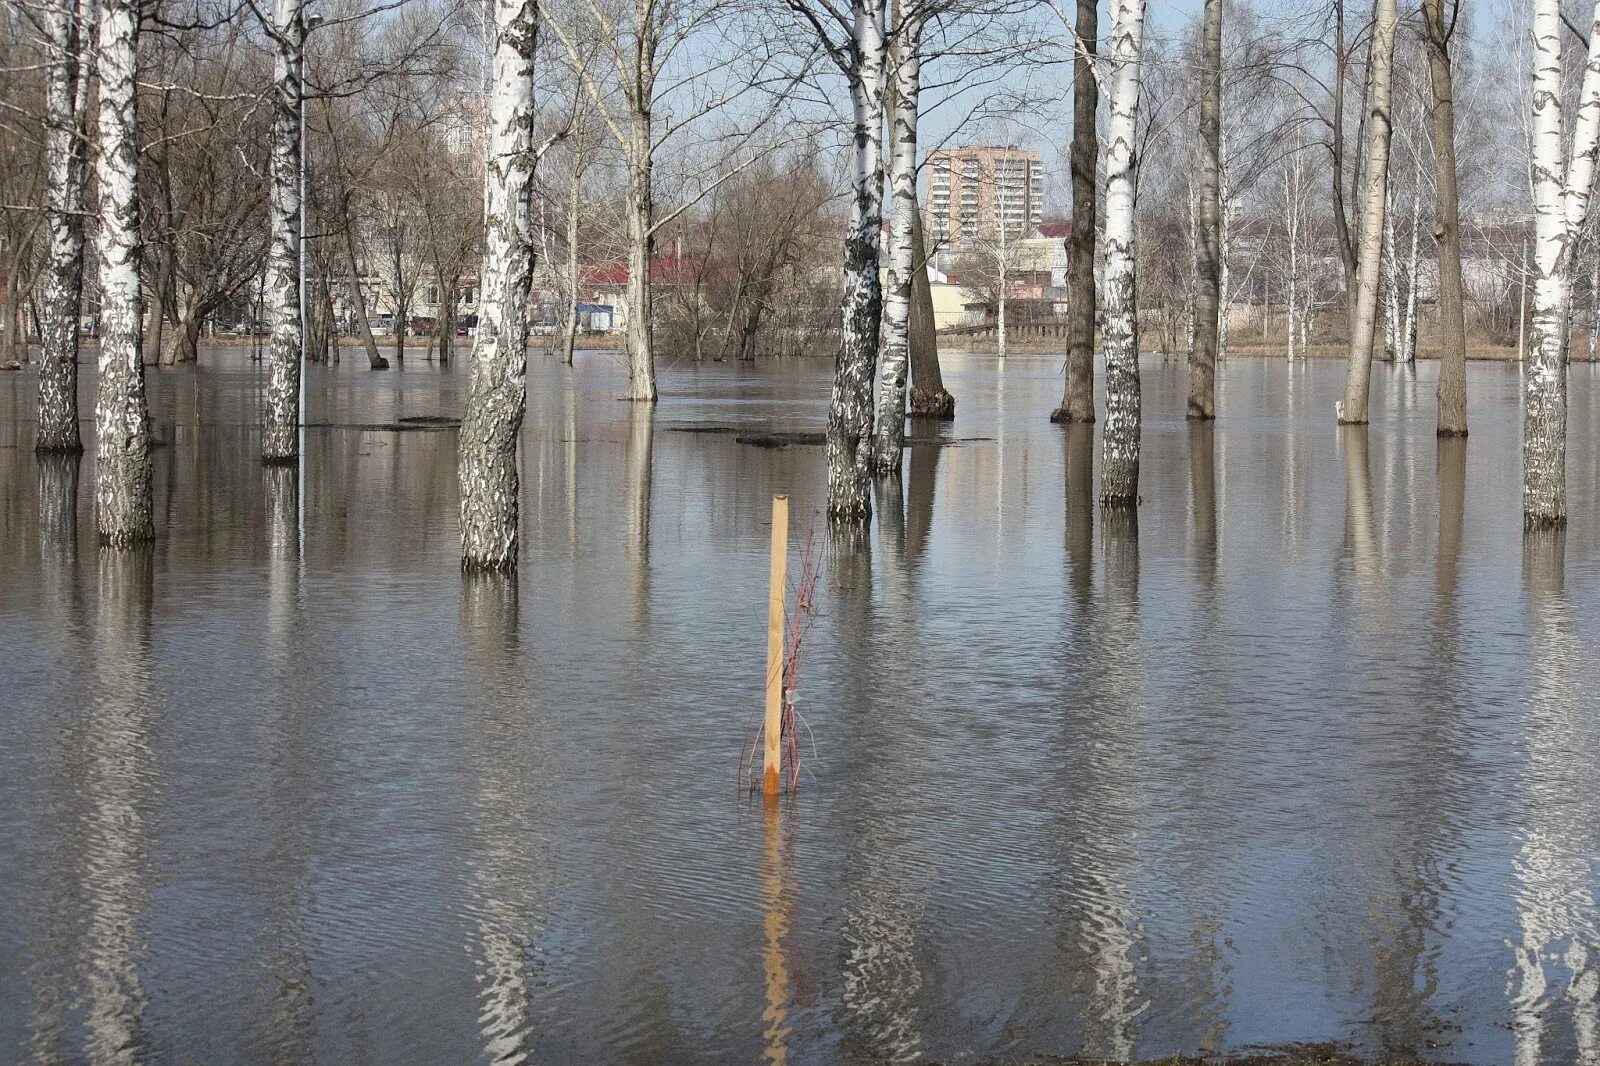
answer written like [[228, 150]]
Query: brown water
[[1313, 752]]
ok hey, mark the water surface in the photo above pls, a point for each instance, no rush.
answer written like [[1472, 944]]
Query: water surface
[[1308, 750]]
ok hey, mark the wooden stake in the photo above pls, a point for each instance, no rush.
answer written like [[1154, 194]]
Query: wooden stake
[[772, 732]]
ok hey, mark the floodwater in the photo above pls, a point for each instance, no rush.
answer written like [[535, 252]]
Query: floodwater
[[1311, 751]]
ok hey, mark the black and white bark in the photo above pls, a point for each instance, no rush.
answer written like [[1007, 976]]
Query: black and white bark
[[280, 437], [1208, 232], [497, 385], [849, 432], [1119, 463], [69, 26], [856, 41], [1561, 193], [1452, 388], [894, 366], [1352, 409], [123, 506]]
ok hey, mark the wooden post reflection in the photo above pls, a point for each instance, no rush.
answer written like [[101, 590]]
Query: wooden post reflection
[[775, 908]]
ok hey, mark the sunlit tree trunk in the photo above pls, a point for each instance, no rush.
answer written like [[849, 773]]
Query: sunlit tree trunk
[[497, 384], [280, 440], [1119, 463], [1077, 399], [640, 340], [69, 24], [929, 397], [358, 300], [1560, 205], [1292, 185], [1208, 237], [1391, 288], [122, 422], [569, 322], [1452, 389], [894, 366], [849, 433], [1408, 336], [1594, 306], [1358, 377]]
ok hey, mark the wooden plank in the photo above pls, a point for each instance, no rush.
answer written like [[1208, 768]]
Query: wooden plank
[[772, 731]]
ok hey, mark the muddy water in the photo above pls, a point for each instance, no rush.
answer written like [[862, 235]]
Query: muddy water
[[1311, 750]]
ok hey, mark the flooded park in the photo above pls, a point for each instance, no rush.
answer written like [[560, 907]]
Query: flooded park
[[1306, 751]]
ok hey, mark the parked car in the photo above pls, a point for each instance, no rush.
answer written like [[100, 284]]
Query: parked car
[[423, 326]]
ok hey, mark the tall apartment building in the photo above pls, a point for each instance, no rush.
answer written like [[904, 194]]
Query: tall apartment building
[[971, 192]]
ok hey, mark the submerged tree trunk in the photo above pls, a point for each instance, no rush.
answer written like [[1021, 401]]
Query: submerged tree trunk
[[1208, 243], [358, 299], [894, 364], [1594, 306], [640, 337], [1452, 389], [569, 321], [1077, 399], [123, 503], [929, 397], [1292, 191], [1391, 269], [1358, 378], [1119, 461], [280, 439], [1408, 334], [849, 433], [1560, 205], [497, 385], [70, 28]]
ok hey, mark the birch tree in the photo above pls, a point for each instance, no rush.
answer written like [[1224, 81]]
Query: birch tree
[[122, 422], [70, 42], [856, 42], [1452, 387], [1352, 410], [280, 438], [1077, 398], [641, 40], [497, 383], [893, 369], [1208, 242], [1561, 188], [1119, 461]]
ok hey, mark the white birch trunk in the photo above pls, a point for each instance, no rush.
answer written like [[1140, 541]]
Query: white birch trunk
[[1358, 377], [1208, 234], [1225, 242], [1594, 304], [1191, 323], [1560, 205], [1391, 266], [497, 382], [1408, 338], [641, 212], [850, 415], [1000, 311], [122, 421], [69, 27], [1291, 199], [280, 439], [893, 370], [569, 322], [1119, 479]]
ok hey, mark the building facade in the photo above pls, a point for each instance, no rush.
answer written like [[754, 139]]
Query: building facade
[[983, 194]]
